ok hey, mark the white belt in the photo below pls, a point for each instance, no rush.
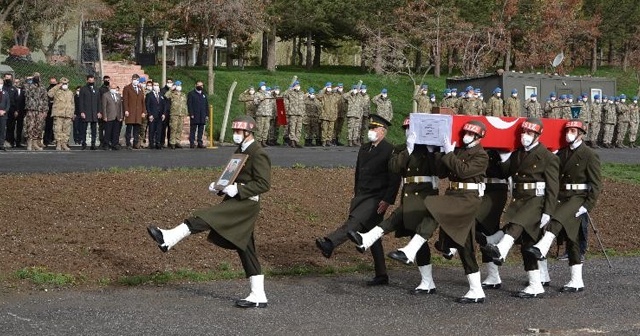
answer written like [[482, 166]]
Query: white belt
[[530, 186], [421, 179], [466, 186], [494, 180], [255, 198], [576, 186]]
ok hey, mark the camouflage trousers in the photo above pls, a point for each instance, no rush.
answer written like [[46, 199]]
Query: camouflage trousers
[[607, 137], [263, 125], [295, 127], [338, 127], [143, 130], [62, 130], [34, 122], [633, 131], [594, 132], [365, 126], [312, 129], [623, 127], [353, 129], [327, 130], [175, 123]]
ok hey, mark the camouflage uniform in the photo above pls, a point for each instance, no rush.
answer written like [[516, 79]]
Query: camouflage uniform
[[295, 113], [565, 111], [512, 107], [342, 114], [384, 108], [329, 114], [249, 105], [595, 122], [274, 129], [263, 116], [354, 121], [37, 106], [62, 113], [533, 109], [552, 109], [364, 102], [633, 127], [495, 107], [311, 120], [622, 111], [424, 102], [176, 115], [609, 114], [469, 106]]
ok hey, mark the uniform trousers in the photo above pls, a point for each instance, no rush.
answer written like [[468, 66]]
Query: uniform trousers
[[263, 124], [111, 133], [35, 124], [62, 129], [176, 125], [295, 127], [353, 128], [573, 243], [395, 222], [327, 130], [248, 256], [608, 133], [623, 126], [516, 231]]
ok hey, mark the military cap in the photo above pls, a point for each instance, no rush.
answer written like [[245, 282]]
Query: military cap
[[433, 95], [469, 88], [328, 84], [383, 91], [570, 96], [552, 94], [376, 121], [447, 90], [635, 97], [596, 97], [623, 96], [354, 87], [563, 96], [262, 84], [424, 86], [533, 124], [363, 87], [497, 90], [514, 91], [534, 95], [340, 85], [311, 90], [454, 90], [296, 83], [577, 123], [246, 123], [475, 127]]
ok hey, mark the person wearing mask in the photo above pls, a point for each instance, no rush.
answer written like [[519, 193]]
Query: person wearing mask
[[112, 115], [198, 109], [165, 132], [106, 81], [154, 104], [62, 112], [177, 113], [134, 111], [11, 92], [90, 111]]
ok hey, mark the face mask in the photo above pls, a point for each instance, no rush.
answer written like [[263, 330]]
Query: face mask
[[252, 91], [467, 139], [328, 89], [384, 95], [263, 88], [113, 91], [553, 98], [514, 95], [277, 92], [105, 83], [312, 96], [584, 100], [339, 89], [433, 100], [178, 88], [156, 88], [238, 138], [534, 99], [372, 135], [364, 91], [570, 138], [526, 140], [635, 101], [8, 82], [297, 88], [570, 100], [199, 88], [149, 88], [498, 95], [623, 100], [135, 82], [65, 86], [424, 92]]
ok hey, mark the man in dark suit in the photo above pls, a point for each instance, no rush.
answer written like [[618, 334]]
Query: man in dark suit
[[374, 190], [155, 112], [11, 92], [197, 106], [90, 111], [106, 81], [166, 129], [231, 222], [15, 121], [580, 185], [112, 114], [48, 136], [5, 105]]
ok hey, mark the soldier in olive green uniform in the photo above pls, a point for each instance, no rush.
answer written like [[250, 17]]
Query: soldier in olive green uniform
[[534, 170], [455, 210], [364, 102], [622, 111], [231, 222], [354, 119], [580, 185], [565, 110], [495, 105], [551, 109], [247, 97], [263, 114], [384, 108], [423, 100], [329, 114], [532, 107], [36, 105], [177, 113], [342, 114], [595, 121], [512, 105], [585, 114], [633, 120], [311, 121], [610, 117], [416, 164], [62, 112], [294, 98]]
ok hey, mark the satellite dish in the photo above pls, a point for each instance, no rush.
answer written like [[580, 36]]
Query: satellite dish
[[558, 59]]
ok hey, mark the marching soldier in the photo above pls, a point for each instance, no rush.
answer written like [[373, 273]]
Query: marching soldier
[[455, 210], [354, 121], [417, 165], [532, 107], [231, 222], [374, 190], [311, 120], [329, 114], [423, 100], [178, 111], [609, 122], [512, 105], [62, 112], [37, 105], [534, 170], [384, 108], [595, 122], [495, 104], [633, 119], [622, 112], [580, 186], [247, 97], [294, 97]]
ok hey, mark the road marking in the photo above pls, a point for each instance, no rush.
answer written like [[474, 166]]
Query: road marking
[[19, 318]]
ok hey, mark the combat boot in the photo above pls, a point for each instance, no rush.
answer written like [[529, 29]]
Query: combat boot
[[29, 145], [58, 147], [308, 143], [318, 142], [65, 147], [36, 145], [166, 239]]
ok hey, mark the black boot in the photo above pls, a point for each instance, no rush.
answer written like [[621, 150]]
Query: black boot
[[308, 143]]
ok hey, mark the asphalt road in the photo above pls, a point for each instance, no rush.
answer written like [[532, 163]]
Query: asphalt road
[[76, 160], [338, 305]]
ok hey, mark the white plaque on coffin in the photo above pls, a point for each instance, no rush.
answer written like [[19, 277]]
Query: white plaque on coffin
[[430, 129]]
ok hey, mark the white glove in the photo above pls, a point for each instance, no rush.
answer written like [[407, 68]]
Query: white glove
[[581, 211], [212, 187], [231, 190], [544, 220], [447, 146], [411, 141], [504, 156]]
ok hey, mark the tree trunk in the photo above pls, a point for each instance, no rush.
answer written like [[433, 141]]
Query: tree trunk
[[450, 61], [299, 49], [294, 51], [210, 53], [363, 63], [265, 56], [309, 60], [200, 54], [625, 57], [437, 60], [610, 54], [229, 55], [377, 57], [271, 49], [418, 61], [507, 58], [317, 52], [594, 57]]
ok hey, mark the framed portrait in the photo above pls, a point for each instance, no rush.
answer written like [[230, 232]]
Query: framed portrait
[[231, 171]]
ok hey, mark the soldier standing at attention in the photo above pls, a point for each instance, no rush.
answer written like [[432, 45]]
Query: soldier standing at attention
[[263, 114], [633, 120], [374, 190], [36, 105], [177, 113], [294, 97], [595, 121], [565, 112], [622, 112], [512, 105], [342, 114], [353, 116], [551, 107], [468, 105], [62, 112], [90, 111], [610, 118], [417, 165], [364, 102], [231, 223], [495, 104], [248, 97], [423, 100], [329, 100], [311, 120], [534, 170], [384, 108], [455, 210], [532, 107]]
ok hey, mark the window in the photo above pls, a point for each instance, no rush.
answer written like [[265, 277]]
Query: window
[[595, 92], [528, 90]]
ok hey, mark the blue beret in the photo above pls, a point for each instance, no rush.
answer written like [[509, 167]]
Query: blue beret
[[177, 83], [384, 91]]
